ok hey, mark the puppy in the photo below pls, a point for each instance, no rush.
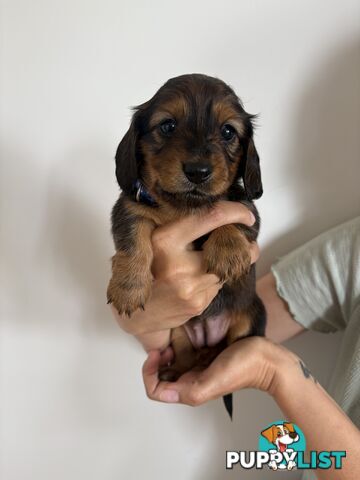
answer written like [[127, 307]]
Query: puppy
[[282, 436], [188, 147]]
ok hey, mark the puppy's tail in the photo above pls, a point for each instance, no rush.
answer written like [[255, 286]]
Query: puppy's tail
[[228, 402]]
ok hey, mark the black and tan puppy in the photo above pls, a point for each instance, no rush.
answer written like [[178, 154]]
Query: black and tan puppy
[[188, 147]]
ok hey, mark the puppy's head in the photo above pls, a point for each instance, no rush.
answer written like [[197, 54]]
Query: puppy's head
[[189, 143], [281, 435]]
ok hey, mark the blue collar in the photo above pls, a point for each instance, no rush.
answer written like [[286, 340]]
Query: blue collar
[[142, 195]]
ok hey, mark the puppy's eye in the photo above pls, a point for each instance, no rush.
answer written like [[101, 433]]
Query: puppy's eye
[[167, 126], [228, 132]]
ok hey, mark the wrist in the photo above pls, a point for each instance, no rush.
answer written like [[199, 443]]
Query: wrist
[[283, 364], [139, 324], [154, 341]]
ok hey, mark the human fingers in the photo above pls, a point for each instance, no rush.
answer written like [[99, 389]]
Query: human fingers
[[167, 356], [155, 389], [242, 365], [174, 264], [247, 363], [160, 391], [150, 372], [178, 235]]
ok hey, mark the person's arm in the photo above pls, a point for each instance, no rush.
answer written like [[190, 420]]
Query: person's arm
[[280, 324], [326, 427], [181, 287], [259, 363]]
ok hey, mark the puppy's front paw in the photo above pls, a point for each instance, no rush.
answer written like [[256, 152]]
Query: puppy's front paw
[[227, 255], [273, 465], [127, 299], [130, 285], [291, 465]]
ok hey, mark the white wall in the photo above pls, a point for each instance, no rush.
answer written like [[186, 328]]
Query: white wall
[[72, 401]]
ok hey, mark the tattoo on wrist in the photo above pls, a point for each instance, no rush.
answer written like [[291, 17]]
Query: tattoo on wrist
[[306, 371]]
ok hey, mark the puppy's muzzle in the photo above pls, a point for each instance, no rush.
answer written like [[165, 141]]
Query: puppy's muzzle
[[197, 172]]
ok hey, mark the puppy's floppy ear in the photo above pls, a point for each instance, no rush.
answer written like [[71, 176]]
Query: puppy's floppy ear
[[270, 434], [126, 157], [252, 173], [289, 426]]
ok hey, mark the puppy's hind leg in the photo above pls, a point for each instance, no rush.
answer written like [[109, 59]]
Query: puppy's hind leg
[[248, 322], [185, 356], [245, 323]]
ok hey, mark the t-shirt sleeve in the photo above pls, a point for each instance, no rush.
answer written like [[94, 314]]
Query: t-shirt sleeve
[[320, 281]]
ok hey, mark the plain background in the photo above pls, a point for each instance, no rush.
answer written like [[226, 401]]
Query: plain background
[[72, 400]]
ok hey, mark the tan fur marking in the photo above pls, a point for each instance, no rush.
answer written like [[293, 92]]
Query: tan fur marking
[[159, 215], [175, 109], [226, 114], [130, 284], [185, 356], [226, 253], [240, 326]]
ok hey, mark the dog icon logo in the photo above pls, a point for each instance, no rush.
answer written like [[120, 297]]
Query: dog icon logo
[[283, 436]]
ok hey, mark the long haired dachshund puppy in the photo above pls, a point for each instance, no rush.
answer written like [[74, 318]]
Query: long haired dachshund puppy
[[188, 147]]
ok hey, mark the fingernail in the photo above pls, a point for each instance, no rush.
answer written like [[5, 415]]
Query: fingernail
[[170, 396]]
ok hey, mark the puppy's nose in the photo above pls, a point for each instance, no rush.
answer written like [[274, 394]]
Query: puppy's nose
[[197, 172]]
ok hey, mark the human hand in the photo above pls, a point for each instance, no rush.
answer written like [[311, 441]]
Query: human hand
[[248, 363], [181, 288], [256, 362]]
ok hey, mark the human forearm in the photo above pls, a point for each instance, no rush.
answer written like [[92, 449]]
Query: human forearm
[[280, 323], [301, 398], [326, 427]]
